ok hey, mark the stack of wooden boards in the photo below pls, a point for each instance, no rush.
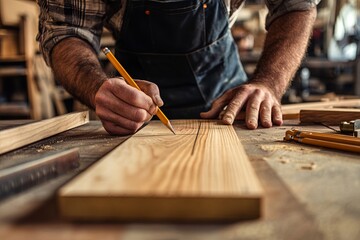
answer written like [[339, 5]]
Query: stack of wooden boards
[[200, 174]]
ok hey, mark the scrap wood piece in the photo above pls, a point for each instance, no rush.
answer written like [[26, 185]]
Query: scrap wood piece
[[332, 116], [292, 111], [200, 174], [17, 137]]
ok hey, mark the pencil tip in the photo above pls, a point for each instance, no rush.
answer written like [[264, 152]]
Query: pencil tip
[[171, 128]]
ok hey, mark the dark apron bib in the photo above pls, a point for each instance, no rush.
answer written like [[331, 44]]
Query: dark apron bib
[[183, 46]]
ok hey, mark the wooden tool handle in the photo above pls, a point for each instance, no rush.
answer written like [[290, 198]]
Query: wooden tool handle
[[328, 137], [328, 144]]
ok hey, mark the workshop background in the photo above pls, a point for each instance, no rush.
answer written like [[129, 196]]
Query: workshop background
[[330, 69]]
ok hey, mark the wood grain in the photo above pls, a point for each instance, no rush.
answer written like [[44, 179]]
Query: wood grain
[[17, 137], [329, 116], [157, 176]]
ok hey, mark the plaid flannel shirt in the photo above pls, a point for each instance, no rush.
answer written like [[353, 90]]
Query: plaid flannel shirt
[[85, 19]]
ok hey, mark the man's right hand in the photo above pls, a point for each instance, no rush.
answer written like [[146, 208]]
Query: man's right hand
[[122, 108]]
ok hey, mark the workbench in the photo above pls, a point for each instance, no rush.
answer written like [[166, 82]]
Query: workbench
[[301, 202]]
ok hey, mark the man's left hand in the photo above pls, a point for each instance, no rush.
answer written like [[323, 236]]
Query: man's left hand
[[261, 106]]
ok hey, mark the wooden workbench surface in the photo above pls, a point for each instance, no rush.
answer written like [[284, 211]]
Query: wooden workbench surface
[[300, 202]]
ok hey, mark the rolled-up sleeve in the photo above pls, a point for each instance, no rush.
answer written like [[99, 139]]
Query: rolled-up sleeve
[[60, 19], [281, 7]]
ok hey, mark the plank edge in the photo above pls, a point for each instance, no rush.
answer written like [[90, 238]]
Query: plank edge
[[167, 209]]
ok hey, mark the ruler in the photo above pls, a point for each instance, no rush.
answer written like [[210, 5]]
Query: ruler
[[18, 178]]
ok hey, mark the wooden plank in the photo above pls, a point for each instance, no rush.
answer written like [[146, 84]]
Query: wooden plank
[[294, 109], [200, 174], [332, 116], [14, 138]]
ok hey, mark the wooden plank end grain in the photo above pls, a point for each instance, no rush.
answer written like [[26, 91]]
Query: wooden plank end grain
[[17, 137], [200, 174]]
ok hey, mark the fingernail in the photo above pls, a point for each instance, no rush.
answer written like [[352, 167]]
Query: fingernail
[[158, 100], [252, 124], [267, 124]]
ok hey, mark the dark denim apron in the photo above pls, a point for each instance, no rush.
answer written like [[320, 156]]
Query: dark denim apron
[[185, 47]]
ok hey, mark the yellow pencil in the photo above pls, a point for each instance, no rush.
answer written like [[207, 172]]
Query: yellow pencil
[[132, 83]]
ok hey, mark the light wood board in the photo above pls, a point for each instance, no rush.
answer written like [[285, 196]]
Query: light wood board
[[200, 174], [17, 137]]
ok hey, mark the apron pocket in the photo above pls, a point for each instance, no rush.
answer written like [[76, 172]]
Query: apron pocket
[[217, 68]]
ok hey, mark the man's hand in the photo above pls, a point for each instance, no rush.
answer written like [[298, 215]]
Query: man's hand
[[284, 47], [261, 105], [122, 108]]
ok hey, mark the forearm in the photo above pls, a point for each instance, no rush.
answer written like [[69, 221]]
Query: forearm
[[284, 48], [76, 66]]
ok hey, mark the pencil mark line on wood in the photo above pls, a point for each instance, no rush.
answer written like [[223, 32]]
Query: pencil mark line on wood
[[196, 138]]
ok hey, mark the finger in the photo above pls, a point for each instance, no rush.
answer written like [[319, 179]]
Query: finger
[[252, 109], [107, 103], [277, 115], [118, 120], [234, 107], [265, 114], [152, 90], [131, 95], [222, 113], [217, 106], [114, 129]]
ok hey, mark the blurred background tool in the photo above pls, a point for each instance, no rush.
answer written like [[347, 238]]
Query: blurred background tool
[[351, 128]]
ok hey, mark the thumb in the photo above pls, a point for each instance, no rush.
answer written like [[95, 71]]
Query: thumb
[[218, 106], [215, 110]]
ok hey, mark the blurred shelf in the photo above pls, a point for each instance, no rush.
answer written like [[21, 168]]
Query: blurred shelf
[[14, 110], [13, 72]]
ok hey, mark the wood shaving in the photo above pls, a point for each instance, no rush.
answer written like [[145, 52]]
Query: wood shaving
[[310, 166], [45, 148], [284, 161]]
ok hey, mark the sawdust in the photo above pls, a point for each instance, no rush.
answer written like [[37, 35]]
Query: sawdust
[[45, 148], [287, 147], [310, 166]]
